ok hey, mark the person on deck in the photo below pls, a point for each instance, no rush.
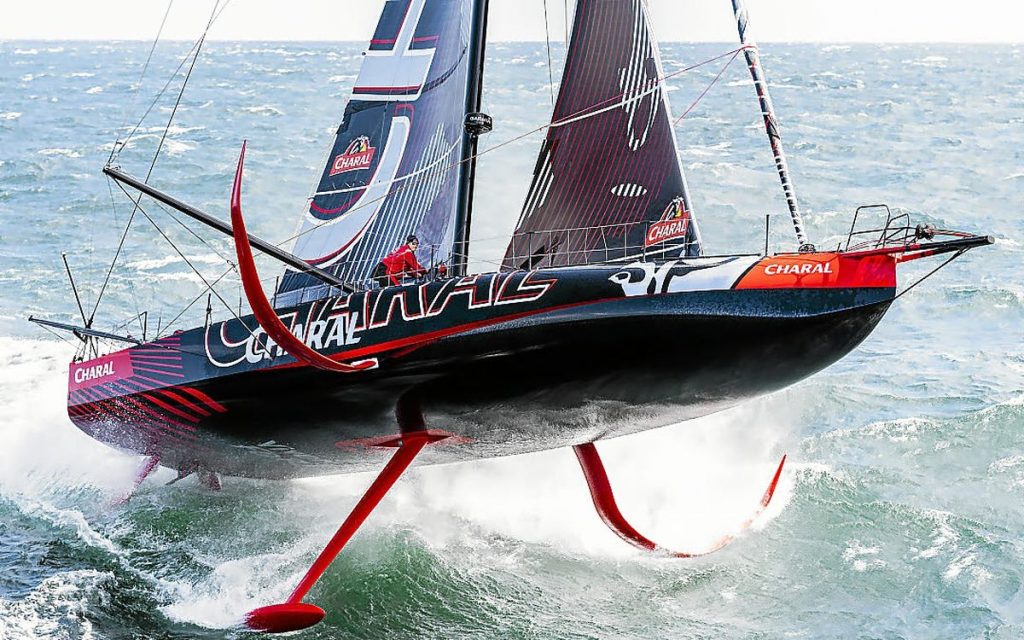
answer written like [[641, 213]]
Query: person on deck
[[400, 263]]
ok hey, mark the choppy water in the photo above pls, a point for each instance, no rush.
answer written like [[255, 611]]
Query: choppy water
[[900, 515]]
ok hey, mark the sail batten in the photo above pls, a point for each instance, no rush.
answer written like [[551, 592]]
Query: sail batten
[[608, 175]]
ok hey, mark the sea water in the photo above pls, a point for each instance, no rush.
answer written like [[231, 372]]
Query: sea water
[[899, 515]]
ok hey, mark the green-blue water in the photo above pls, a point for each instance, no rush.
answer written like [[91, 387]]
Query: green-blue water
[[899, 516]]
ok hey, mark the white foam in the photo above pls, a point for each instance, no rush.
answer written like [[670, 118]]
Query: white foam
[[944, 537], [683, 486], [67, 153], [94, 90], [157, 263], [10, 115], [33, 401], [264, 110], [54, 609], [860, 557]]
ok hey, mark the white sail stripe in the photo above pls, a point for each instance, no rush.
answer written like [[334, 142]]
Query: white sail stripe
[[413, 174], [539, 195], [635, 63], [533, 200], [547, 189], [398, 67], [383, 236], [323, 240], [416, 199]]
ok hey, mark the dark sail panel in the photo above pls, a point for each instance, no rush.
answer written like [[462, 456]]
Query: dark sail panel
[[608, 184], [393, 169]]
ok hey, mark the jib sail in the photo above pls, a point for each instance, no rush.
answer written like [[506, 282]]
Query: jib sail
[[607, 184], [393, 169]]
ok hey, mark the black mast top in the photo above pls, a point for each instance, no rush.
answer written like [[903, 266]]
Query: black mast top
[[476, 124]]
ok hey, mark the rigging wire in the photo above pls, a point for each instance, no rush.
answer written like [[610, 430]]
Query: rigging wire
[[138, 85], [189, 54], [131, 284], [189, 263], [195, 235], [78, 347], [930, 274], [584, 113], [208, 289], [156, 156], [590, 111], [547, 40], [707, 88], [565, 12]]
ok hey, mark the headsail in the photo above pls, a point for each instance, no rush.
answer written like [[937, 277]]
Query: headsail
[[608, 184], [394, 166]]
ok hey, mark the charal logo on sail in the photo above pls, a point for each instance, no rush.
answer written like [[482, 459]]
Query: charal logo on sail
[[96, 371], [674, 224], [358, 155]]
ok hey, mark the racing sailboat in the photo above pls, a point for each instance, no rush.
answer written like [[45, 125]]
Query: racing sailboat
[[605, 318]]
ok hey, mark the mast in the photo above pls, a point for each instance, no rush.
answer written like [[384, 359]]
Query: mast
[[771, 123], [477, 123]]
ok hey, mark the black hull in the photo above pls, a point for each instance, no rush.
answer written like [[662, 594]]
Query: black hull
[[553, 373]]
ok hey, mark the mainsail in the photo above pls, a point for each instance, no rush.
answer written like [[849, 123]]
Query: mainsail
[[393, 169], [607, 184]]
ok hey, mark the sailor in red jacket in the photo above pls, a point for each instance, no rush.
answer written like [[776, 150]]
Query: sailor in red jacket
[[400, 263]]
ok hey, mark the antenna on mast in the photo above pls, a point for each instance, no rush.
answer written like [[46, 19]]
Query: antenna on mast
[[771, 123]]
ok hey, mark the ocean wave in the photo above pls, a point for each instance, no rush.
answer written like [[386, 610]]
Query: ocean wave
[[10, 115], [929, 61], [67, 153], [861, 557], [157, 263], [264, 110], [173, 130]]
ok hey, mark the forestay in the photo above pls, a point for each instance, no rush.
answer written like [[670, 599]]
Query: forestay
[[607, 184], [393, 169]]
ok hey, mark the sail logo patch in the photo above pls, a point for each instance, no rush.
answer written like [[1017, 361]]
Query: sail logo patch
[[358, 155], [674, 224]]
